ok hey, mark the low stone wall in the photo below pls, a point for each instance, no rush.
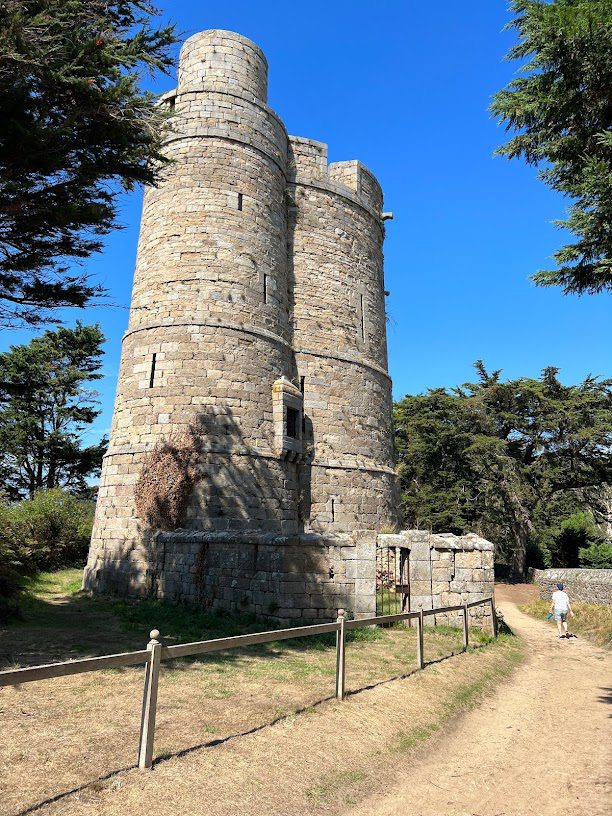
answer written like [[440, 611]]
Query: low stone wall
[[588, 585], [284, 578], [447, 570]]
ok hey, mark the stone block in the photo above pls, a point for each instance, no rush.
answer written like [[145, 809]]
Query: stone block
[[419, 551], [442, 573], [468, 560], [360, 569], [420, 571]]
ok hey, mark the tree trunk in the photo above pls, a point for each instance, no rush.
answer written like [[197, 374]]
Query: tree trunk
[[520, 525]]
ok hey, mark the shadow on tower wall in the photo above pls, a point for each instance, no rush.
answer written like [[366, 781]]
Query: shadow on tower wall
[[240, 544]]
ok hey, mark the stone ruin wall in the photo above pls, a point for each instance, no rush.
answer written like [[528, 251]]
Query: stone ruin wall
[[446, 570], [258, 291], [587, 585]]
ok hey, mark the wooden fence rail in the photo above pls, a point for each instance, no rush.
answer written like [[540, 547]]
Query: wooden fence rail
[[153, 655]]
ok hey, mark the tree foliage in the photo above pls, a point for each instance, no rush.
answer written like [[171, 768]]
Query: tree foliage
[[511, 460], [44, 409], [598, 555], [561, 109], [75, 128]]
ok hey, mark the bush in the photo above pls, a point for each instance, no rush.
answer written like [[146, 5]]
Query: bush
[[574, 533], [53, 529], [50, 531], [12, 574], [597, 556], [538, 554]]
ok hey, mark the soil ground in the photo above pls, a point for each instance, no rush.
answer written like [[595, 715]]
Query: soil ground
[[67, 733], [541, 746]]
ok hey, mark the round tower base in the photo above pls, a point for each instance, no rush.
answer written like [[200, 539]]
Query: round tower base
[[284, 578]]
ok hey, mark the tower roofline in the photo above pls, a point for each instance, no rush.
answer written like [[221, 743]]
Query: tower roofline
[[224, 34]]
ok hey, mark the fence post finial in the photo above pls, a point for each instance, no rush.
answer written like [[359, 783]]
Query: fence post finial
[[149, 702]]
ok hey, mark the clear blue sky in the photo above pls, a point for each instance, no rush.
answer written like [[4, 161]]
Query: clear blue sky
[[404, 86]]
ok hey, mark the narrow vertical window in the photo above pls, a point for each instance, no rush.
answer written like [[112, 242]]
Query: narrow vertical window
[[333, 510], [292, 423], [152, 377], [363, 328], [302, 387], [302, 381], [265, 288], [240, 201]]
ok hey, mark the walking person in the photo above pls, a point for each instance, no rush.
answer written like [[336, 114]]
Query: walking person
[[560, 606]]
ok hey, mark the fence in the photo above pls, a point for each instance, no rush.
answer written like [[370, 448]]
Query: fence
[[152, 656]]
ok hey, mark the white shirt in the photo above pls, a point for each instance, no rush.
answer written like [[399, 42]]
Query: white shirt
[[560, 600]]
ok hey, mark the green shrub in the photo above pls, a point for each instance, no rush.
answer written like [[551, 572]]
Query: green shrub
[[575, 532], [52, 529], [597, 556], [13, 572], [538, 554]]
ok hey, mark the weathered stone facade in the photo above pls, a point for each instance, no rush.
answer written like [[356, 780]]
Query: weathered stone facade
[[446, 570], [258, 323], [588, 585]]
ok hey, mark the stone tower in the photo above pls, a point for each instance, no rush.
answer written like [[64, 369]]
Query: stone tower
[[257, 326]]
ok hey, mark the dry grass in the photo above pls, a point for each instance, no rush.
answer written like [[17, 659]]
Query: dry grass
[[594, 621], [61, 734], [322, 761]]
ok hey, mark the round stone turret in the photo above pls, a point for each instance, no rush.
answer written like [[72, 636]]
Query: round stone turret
[[223, 61]]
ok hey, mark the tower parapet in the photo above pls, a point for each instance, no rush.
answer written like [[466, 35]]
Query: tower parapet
[[257, 327]]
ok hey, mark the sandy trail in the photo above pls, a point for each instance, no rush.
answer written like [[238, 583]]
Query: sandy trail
[[540, 746]]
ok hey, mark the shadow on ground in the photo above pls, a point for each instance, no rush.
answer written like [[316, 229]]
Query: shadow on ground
[[229, 738]]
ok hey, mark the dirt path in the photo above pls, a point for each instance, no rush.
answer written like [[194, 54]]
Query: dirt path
[[540, 746]]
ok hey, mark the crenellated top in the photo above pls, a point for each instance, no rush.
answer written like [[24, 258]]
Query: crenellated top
[[357, 177], [307, 163]]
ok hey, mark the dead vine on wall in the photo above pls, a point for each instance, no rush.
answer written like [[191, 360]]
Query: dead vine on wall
[[169, 472]]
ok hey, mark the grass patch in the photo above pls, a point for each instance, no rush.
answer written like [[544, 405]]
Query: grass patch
[[322, 792], [407, 740], [593, 621], [465, 694], [61, 733]]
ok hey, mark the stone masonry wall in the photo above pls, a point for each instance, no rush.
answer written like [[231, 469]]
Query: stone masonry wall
[[447, 570], [335, 238], [257, 321], [588, 585]]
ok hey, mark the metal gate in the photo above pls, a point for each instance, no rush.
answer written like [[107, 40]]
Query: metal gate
[[392, 580]]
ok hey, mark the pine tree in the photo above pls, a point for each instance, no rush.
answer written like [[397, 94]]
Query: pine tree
[[75, 129], [44, 408], [510, 460], [561, 109]]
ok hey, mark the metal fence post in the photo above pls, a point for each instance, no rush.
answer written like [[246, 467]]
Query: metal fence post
[[149, 703], [493, 617], [340, 643], [420, 653], [466, 620]]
